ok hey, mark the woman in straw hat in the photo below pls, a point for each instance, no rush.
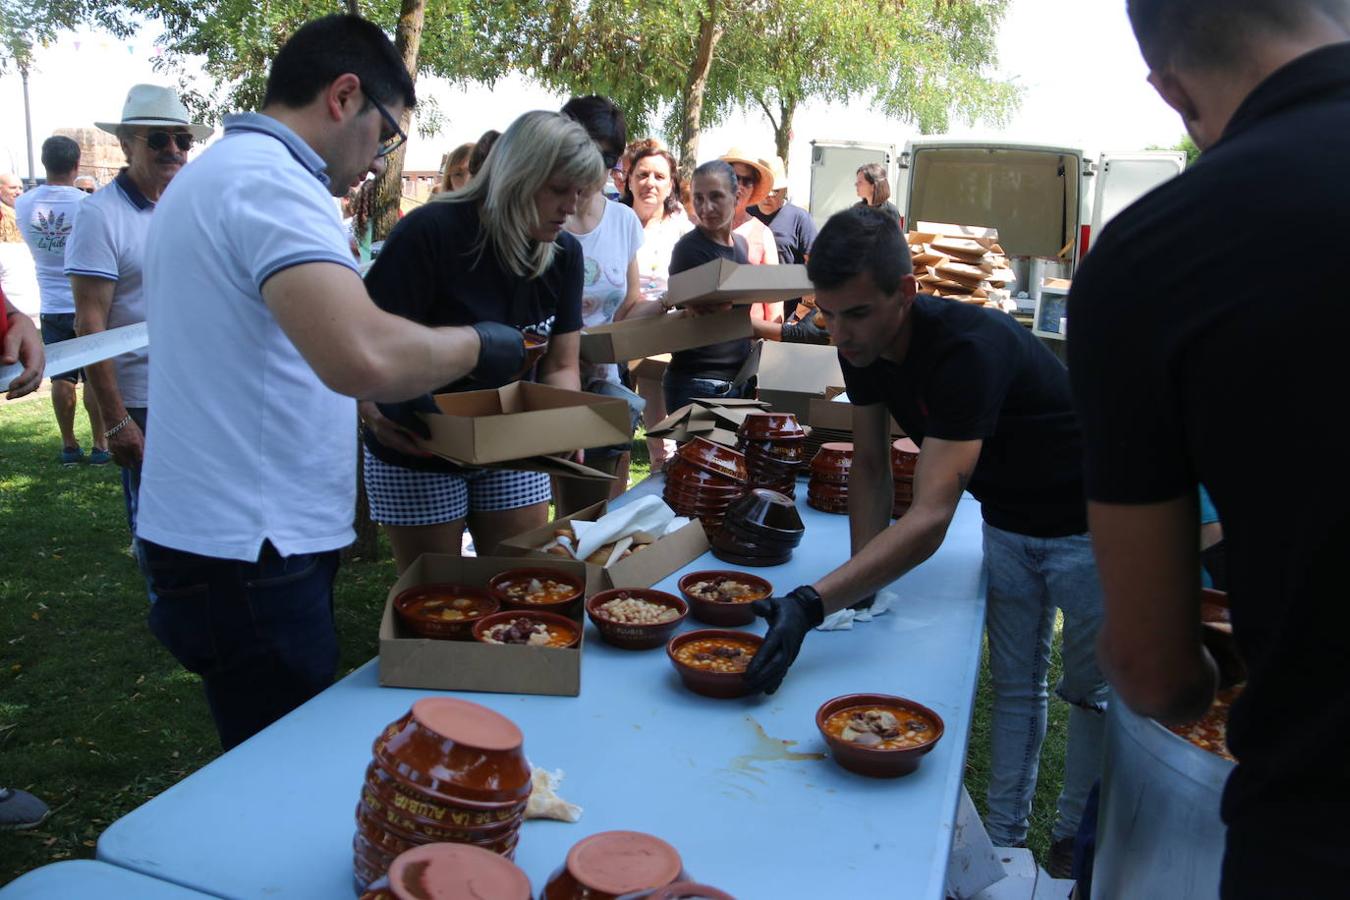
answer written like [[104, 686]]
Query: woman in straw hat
[[754, 181]]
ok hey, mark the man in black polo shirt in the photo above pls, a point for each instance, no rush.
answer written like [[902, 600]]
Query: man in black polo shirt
[[1179, 349], [990, 408]]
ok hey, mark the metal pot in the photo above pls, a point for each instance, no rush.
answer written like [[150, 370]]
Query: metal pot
[[1158, 829]]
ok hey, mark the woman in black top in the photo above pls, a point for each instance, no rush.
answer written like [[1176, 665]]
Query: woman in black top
[[874, 188], [494, 251], [708, 371]]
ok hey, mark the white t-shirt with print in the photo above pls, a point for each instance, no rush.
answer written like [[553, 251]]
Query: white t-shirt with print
[[608, 249], [46, 218]]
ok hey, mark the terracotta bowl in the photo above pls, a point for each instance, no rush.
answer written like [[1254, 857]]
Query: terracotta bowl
[[724, 614], [770, 426], [829, 480], [500, 583], [688, 890], [419, 816], [756, 534], [677, 470], [870, 761], [833, 507], [834, 456], [535, 348], [791, 452], [420, 610], [456, 750], [631, 636], [738, 552], [704, 494], [456, 870], [770, 509], [904, 457], [720, 685], [553, 620], [754, 562], [697, 511], [614, 864], [713, 457]]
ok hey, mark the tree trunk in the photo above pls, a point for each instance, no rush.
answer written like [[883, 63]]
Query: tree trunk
[[782, 131], [389, 193], [709, 33]]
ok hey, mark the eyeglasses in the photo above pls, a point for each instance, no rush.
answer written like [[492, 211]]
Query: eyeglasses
[[87, 190], [393, 140], [747, 180], [158, 140]]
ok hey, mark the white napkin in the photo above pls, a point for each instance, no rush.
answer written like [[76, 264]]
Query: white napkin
[[544, 800], [648, 515], [844, 619]]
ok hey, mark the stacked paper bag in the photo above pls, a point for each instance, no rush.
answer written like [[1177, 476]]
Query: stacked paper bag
[[965, 263]]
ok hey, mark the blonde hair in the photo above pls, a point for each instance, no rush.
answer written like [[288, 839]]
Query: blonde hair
[[456, 156], [537, 147]]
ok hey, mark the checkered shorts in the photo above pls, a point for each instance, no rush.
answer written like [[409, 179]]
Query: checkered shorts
[[400, 496]]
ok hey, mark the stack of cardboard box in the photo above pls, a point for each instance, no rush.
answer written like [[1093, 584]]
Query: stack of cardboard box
[[961, 262]]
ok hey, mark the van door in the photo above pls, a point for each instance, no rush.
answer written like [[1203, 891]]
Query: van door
[[834, 168], [1123, 178]]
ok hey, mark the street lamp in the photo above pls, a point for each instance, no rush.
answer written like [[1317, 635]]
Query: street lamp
[[27, 121]]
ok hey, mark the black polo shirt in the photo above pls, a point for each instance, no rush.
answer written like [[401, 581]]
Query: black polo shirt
[[1208, 334], [975, 374]]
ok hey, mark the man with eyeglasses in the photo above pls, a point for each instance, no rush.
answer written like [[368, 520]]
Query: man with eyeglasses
[[105, 256], [263, 334], [86, 183]]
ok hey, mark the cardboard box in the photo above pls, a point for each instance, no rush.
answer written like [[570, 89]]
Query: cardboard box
[[413, 662], [716, 420], [653, 367], [839, 416], [723, 281], [522, 423], [639, 570], [638, 338], [791, 375]]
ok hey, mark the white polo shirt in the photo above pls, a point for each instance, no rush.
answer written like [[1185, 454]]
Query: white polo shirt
[[245, 444], [46, 219], [109, 242]]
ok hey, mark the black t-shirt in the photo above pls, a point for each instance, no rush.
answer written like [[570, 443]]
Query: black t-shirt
[[431, 271], [721, 361], [1196, 362], [975, 374], [887, 207], [794, 231]]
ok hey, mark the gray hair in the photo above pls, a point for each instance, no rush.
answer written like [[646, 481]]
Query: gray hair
[[537, 147]]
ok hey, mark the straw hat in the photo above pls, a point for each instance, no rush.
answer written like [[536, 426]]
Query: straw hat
[[150, 104], [775, 164], [740, 155]]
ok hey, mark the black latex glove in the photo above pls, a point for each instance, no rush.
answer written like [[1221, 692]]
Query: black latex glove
[[501, 355], [806, 331], [405, 414], [789, 618]]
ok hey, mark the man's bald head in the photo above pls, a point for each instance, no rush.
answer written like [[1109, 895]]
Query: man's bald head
[[10, 188]]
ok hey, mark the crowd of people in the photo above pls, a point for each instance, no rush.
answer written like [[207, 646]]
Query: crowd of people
[[1088, 477]]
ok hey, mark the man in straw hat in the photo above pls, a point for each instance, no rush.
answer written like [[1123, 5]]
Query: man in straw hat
[[105, 256], [794, 231], [263, 333]]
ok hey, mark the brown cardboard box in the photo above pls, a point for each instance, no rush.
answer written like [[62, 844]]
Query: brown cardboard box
[[839, 416], [717, 420], [723, 281], [639, 570], [653, 367], [522, 422], [637, 338], [790, 375], [414, 662]]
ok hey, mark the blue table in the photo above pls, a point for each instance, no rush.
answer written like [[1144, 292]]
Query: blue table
[[274, 816], [87, 878]]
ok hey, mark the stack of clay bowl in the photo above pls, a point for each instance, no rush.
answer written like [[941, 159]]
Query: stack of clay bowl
[[761, 529], [703, 479], [904, 457], [774, 448], [448, 771], [614, 864], [452, 871], [828, 490]]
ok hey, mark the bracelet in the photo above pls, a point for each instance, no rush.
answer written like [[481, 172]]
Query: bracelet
[[118, 427]]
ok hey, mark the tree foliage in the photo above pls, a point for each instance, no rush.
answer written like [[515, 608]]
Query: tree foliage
[[25, 24]]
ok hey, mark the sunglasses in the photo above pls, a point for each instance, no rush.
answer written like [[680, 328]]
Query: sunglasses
[[395, 137], [158, 140], [87, 190], [747, 180]]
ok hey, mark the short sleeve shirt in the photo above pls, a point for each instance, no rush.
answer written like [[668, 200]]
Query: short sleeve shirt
[[607, 251], [47, 218], [794, 231], [109, 242], [716, 361], [976, 374], [245, 444], [654, 254]]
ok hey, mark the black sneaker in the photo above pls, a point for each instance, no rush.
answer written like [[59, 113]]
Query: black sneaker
[[20, 810], [1059, 864]]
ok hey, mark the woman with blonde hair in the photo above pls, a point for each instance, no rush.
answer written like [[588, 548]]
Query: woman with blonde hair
[[456, 173], [493, 252]]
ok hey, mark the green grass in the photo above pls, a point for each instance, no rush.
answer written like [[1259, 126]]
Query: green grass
[[96, 717]]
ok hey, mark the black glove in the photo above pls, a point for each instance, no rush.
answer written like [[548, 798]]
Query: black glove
[[806, 331], [789, 618], [405, 414], [501, 356]]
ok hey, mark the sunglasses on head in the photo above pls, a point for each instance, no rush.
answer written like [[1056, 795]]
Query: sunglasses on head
[[158, 140]]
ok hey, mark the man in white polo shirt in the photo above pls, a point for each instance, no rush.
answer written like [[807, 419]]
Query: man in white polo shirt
[[263, 333], [105, 258]]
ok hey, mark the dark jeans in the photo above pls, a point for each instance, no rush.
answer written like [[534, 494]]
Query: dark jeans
[[131, 494], [680, 389], [260, 634]]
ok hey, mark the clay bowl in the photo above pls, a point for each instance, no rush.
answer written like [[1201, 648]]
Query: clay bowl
[[455, 750], [833, 459], [825, 489], [768, 508], [785, 452], [724, 614], [770, 426], [698, 510], [418, 817], [678, 470], [702, 504], [553, 620], [712, 457], [420, 610], [535, 348], [753, 534], [500, 584], [614, 864], [904, 457], [754, 562], [832, 507], [456, 870], [688, 890], [631, 636], [703, 494], [868, 760], [719, 685], [734, 541]]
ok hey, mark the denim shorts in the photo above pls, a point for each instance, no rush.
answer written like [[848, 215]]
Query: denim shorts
[[58, 327]]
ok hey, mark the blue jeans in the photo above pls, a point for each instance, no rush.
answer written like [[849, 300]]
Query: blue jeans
[[131, 495], [260, 634], [1029, 578], [680, 389]]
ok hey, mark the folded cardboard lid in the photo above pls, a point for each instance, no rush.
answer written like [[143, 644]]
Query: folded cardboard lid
[[724, 281], [802, 368], [649, 335]]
